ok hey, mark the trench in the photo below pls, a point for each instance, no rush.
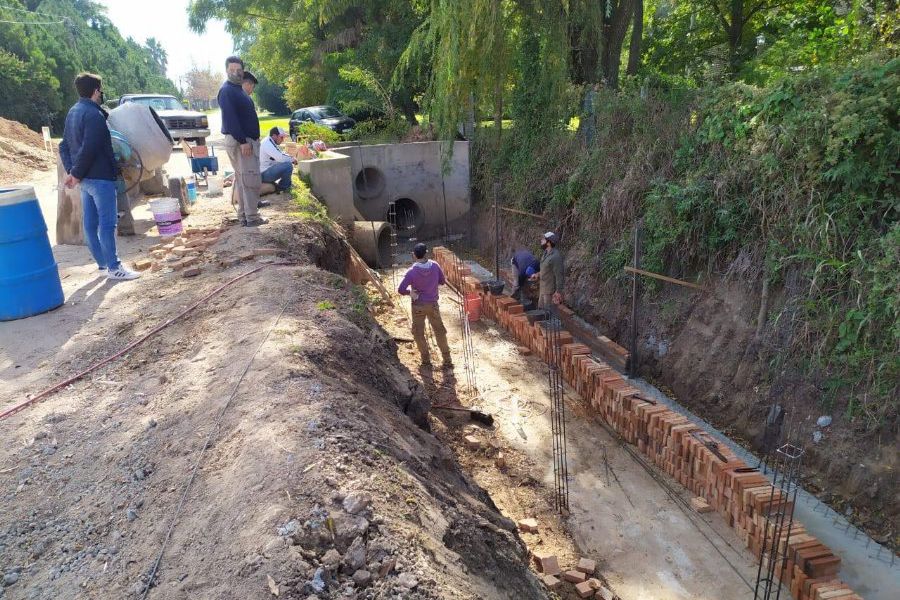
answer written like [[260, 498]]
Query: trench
[[631, 523]]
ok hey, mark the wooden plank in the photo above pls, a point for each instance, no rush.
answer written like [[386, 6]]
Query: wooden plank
[[522, 212], [664, 278]]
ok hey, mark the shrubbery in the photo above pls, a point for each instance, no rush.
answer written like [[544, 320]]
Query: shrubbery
[[798, 179]]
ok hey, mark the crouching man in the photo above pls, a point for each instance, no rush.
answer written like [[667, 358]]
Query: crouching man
[[276, 166]]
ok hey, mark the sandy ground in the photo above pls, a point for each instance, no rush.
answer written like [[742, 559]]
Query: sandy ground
[[645, 546]]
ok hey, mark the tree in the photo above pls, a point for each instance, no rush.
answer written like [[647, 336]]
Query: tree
[[158, 54], [201, 84], [50, 41], [309, 42]]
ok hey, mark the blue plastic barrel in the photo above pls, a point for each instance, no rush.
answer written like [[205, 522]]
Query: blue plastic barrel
[[29, 279]]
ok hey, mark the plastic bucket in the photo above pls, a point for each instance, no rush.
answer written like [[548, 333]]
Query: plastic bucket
[[29, 279], [214, 185], [167, 214], [472, 306], [192, 192]]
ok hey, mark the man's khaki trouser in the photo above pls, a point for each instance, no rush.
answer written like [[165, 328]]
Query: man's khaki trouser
[[247, 178], [432, 312], [546, 301]]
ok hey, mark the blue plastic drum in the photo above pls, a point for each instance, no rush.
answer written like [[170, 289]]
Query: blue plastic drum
[[29, 279]]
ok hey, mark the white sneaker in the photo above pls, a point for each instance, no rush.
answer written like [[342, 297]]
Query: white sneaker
[[122, 274]]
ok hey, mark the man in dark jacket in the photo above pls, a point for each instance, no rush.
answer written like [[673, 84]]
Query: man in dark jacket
[[241, 128], [87, 155]]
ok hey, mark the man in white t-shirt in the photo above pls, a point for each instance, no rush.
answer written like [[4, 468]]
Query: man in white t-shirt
[[276, 166]]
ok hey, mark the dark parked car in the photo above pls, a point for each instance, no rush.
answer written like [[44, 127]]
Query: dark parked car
[[326, 116]]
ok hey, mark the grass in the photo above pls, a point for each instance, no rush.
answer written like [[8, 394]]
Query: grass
[[306, 206], [267, 122]]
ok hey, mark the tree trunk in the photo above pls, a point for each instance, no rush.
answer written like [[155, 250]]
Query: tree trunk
[[735, 33], [498, 109], [612, 44], [637, 32]]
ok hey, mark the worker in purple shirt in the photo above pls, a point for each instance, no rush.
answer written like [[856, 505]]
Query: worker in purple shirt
[[421, 284]]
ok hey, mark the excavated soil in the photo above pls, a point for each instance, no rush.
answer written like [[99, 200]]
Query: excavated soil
[[21, 152], [314, 481]]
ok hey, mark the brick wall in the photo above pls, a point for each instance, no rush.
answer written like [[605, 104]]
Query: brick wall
[[739, 493]]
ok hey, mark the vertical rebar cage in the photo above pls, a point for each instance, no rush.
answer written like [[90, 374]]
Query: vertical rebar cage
[[785, 463], [553, 328]]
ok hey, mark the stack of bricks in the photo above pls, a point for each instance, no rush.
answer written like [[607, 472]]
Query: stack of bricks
[[180, 252], [739, 493]]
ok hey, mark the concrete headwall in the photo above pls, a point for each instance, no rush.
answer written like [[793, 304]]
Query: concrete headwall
[[410, 175], [331, 180]]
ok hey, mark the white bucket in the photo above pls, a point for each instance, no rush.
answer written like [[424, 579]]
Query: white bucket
[[167, 214], [214, 185]]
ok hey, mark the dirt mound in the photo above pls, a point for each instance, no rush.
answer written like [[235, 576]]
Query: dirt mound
[[316, 481], [21, 153]]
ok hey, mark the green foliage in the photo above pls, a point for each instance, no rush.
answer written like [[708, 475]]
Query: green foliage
[[326, 305], [312, 132], [44, 59], [798, 179], [803, 173], [319, 48], [270, 96]]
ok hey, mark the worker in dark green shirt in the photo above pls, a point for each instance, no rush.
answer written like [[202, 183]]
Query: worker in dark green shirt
[[552, 273]]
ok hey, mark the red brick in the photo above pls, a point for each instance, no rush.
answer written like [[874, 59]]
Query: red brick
[[574, 576], [472, 442], [584, 589], [547, 564], [700, 505], [552, 583], [586, 565], [142, 265], [528, 525], [191, 272]]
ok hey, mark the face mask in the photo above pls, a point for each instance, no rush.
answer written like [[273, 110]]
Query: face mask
[[236, 76], [102, 98]]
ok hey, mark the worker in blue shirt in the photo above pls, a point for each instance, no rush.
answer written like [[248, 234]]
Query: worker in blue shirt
[[87, 154], [240, 126], [524, 265]]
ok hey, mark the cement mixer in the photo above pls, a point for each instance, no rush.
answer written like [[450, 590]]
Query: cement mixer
[[141, 146], [145, 134]]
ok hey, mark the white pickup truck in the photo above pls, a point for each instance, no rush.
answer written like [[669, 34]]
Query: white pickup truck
[[183, 124]]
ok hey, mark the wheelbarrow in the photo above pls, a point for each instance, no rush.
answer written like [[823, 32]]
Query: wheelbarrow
[[202, 162]]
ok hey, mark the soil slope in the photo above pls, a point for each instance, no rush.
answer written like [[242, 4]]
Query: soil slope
[[315, 472]]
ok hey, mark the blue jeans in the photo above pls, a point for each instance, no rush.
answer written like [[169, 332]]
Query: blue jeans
[[100, 211], [280, 175]]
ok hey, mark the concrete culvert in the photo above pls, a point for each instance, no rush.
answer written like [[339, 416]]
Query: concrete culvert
[[372, 239], [369, 182], [409, 216]]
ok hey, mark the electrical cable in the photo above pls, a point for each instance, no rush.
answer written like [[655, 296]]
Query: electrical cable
[[55, 388], [215, 429]]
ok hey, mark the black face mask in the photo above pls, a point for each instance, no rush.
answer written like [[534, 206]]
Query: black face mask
[[102, 98]]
